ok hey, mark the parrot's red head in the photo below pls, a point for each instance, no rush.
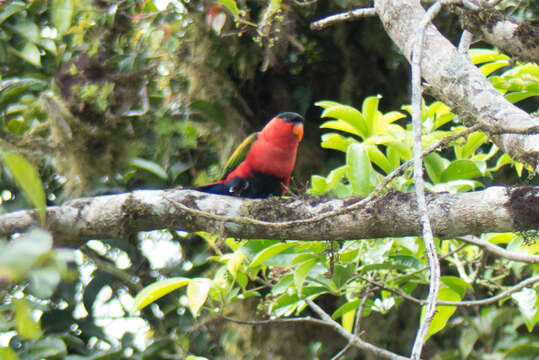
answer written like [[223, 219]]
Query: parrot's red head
[[285, 129]]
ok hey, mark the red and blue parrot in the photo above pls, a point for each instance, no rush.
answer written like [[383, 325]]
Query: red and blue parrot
[[261, 166]]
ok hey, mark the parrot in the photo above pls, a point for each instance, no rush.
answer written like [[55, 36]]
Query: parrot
[[261, 166]]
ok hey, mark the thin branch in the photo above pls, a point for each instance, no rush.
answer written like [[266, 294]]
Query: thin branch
[[465, 41], [341, 17], [511, 255], [275, 321], [354, 340], [426, 230]]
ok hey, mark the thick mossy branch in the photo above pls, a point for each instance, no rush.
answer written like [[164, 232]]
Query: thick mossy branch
[[496, 209]]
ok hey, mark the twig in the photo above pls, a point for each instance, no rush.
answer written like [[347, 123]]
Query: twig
[[345, 16], [465, 303], [511, 255], [354, 340], [465, 41], [357, 325], [278, 320]]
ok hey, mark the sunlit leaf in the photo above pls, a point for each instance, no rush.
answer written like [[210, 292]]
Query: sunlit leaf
[[61, 13], [443, 312], [234, 262], [348, 320], [460, 170], [149, 166], [434, 166], [28, 180], [157, 290], [350, 115], [231, 6], [197, 293], [528, 303], [301, 273], [359, 169], [369, 110], [517, 96], [28, 30], [30, 53], [6, 353], [270, 252], [27, 328]]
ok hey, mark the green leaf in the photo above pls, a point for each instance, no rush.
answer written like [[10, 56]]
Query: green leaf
[[378, 157], [47, 348], [270, 252], [28, 30], [344, 308], [197, 293], [456, 284], [231, 6], [157, 290], [479, 56], [149, 166], [528, 303], [6, 353], [61, 13], [359, 169], [467, 340], [234, 262], [489, 68], [336, 142], [348, 320], [30, 53], [350, 115], [28, 180], [434, 166], [340, 125], [193, 357], [517, 96], [369, 110], [10, 9], [443, 312], [27, 328], [301, 273], [460, 170], [474, 141]]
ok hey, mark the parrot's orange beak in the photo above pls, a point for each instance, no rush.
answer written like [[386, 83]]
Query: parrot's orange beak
[[298, 130]]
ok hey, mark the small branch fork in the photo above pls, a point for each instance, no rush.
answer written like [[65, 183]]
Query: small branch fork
[[344, 16]]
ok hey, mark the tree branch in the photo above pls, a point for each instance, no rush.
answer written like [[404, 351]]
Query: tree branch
[[492, 26], [495, 209], [496, 250], [354, 340], [460, 84], [345, 16]]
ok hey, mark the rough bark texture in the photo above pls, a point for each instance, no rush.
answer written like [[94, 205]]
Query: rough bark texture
[[496, 209], [520, 40], [456, 81]]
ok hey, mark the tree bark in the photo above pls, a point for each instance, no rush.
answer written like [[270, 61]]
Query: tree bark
[[456, 81], [492, 26], [496, 209]]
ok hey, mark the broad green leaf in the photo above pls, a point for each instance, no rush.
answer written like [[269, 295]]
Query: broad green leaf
[[336, 142], [501, 238], [270, 252], [528, 303], [48, 348], [350, 115], [197, 293], [301, 273], [27, 328], [391, 117], [435, 166], [479, 56], [149, 166], [234, 262], [379, 158], [61, 12], [157, 290], [359, 169], [193, 357], [6, 353], [326, 103], [28, 180], [345, 308], [443, 312], [10, 9], [231, 6], [467, 340], [474, 141], [30, 53], [460, 170], [456, 284], [517, 96], [348, 320], [340, 125], [28, 30], [393, 157], [369, 110], [489, 68]]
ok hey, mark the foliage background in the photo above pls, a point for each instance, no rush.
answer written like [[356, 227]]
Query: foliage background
[[111, 96]]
